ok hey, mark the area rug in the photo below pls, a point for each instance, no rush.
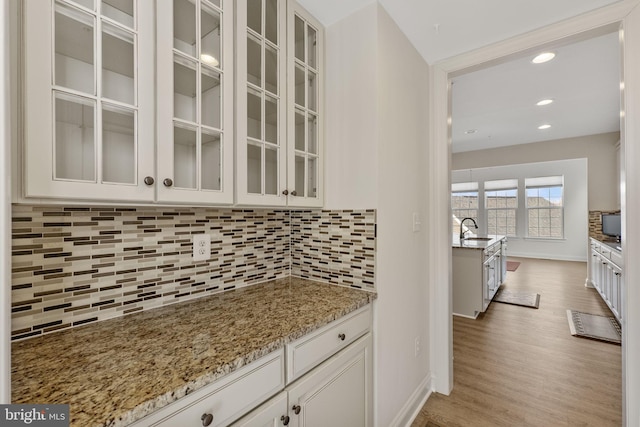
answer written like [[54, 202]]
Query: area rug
[[512, 265], [522, 298], [594, 326]]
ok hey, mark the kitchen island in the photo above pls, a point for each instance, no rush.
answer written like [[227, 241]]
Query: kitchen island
[[479, 268], [115, 372]]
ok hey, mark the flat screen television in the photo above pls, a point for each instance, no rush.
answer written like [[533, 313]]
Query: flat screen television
[[611, 225]]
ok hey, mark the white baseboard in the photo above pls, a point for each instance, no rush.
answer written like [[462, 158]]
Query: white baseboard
[[414, 404], [554, 257], [466, 316]]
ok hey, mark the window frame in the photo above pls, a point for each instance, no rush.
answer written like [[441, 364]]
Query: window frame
[[545, 183], [464, 188], [496, 186]]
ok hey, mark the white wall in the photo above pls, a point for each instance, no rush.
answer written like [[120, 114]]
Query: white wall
[[5, 207], [576, 217], [600, 150], [377, 113]]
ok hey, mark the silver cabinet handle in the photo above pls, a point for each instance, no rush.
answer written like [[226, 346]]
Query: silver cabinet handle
[[296, 409], [168, 182], [149, 180], [294, 193], [285, 192], [285, 420], [342, 337]]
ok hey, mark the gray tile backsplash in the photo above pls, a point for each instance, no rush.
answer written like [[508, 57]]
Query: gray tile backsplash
[[76, 265]]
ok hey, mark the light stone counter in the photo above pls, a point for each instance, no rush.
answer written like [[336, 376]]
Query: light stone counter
[[475, 244], [117, 371]]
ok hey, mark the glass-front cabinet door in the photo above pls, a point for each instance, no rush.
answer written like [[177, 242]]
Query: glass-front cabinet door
[[195, 101], [89, 102], [261, 174], [305, 114]]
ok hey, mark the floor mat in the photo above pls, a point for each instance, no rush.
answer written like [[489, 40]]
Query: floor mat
[[522, 298], [594, 326], [512, 265]]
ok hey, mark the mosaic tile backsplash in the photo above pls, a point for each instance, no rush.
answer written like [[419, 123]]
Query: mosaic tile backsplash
[[76, 265]]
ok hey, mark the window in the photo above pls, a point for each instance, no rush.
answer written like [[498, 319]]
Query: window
[[545, 207], [464, 203], [501, 204]]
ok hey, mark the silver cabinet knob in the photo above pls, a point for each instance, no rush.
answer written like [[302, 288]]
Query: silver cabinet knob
[[207, 419], [342, 337], [149, 180], [285, 420], [168, 182], [285, 192], [294, 193], [296, 409]]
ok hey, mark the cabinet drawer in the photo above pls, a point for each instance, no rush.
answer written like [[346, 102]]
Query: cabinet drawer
[[308, 351], [226, 399], [616, 258]]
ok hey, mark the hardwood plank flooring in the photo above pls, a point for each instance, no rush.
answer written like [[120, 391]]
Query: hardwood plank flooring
[[518, 366]]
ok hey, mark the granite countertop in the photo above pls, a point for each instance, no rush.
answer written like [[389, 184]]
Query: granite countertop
[[117, 371], [476, 244]]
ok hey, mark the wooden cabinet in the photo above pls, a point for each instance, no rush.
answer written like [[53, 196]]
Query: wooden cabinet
[[478, 273], [195, 101], [279, 122], [88, 99], [606, 275]]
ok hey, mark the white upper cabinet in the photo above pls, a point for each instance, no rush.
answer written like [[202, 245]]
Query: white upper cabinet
[[278, 116], [195, 101], [305, 70], [261, 102], [89, 99]]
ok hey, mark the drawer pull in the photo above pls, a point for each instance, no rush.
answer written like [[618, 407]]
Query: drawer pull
[[168, 182], [285, 420], [342, 337], [207, 419], [296, 409], [149, 180]]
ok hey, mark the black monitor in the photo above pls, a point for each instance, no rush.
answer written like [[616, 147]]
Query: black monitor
[[611, 225]]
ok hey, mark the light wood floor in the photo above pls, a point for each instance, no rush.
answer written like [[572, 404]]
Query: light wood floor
[[516, 366]]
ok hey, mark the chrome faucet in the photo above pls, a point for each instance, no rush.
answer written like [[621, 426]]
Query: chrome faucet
[[464, 231]]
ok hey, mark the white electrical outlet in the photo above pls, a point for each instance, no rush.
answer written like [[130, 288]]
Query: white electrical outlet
[[201, 247], [417, 224], [417, 346]]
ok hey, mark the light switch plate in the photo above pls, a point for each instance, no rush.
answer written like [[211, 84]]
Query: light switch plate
[[201, 247]]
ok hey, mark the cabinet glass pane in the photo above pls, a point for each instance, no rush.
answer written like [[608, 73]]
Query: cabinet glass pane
[[270, 171], [74, 53], [299, 38], [271, 21], [312, 134], [271, 69], [75, 138], [300, 86], [254, 169], [299, 175], [89, 4], [184, 26], [118, 145], [210, 37], [184, 157], [254, 61], [271, 119], [254, 114], [211, 161], [184, 86], [299, 138], [119, 10], [312, 178], [117, 65], [313, 92], [312, 60], [211, 98], [254, 15]]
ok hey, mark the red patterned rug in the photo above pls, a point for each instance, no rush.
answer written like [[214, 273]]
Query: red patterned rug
[[512, 265]]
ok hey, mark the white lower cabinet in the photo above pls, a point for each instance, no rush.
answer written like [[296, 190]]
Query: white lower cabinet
[[606, 275], [336, 393]]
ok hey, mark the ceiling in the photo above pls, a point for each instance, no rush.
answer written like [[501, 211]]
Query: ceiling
[[499, 102]]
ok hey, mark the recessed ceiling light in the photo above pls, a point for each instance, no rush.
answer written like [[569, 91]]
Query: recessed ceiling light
[[210, 60], [543, 57], [544, 102], [543, 127], [470, 131]]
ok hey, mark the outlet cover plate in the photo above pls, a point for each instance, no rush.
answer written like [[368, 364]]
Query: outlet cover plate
[[201, 247]]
